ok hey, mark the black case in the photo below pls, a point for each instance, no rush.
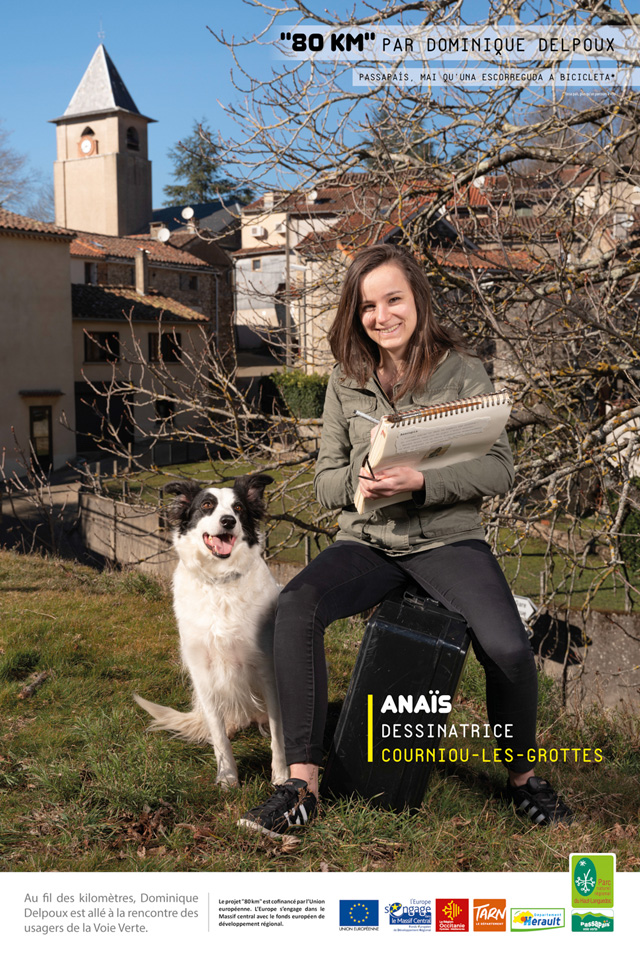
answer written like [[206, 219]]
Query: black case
[[412, 645]]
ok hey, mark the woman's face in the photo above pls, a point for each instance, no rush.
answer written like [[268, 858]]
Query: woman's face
[[388, 309]]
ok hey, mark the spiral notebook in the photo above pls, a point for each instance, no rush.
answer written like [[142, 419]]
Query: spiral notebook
[[433, 437]]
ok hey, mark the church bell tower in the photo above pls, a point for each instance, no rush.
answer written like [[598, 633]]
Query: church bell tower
[[102, 176]]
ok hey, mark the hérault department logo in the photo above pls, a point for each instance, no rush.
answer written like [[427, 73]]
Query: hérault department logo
[[529, 919], [359, 914]]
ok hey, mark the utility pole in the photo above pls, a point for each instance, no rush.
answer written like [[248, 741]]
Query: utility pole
[[288, 325]]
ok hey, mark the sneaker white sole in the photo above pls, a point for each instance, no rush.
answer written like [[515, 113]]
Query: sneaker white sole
[[254, 825]]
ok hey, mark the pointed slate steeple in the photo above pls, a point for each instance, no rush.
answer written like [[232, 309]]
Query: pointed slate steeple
[[101, 88]]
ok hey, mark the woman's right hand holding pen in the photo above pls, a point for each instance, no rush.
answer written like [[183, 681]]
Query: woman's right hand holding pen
[[389, 481]]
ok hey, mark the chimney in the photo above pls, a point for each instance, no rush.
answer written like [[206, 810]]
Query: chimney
[[142, 271], [155, 227]]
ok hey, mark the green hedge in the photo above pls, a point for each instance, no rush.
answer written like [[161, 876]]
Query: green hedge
[[302, 393], [630, 533]]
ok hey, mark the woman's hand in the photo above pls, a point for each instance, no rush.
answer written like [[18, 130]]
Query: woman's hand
[[390, 481]]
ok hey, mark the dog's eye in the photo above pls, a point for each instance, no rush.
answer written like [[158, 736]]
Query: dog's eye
[[207, 505], [238, 507]]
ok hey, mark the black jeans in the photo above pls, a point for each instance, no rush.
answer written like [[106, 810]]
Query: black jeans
[[348, 578]]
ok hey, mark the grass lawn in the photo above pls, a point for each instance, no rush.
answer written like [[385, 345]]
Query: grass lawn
[[84, 786]]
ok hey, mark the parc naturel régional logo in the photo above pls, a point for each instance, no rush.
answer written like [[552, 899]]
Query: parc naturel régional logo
[[592, 879]]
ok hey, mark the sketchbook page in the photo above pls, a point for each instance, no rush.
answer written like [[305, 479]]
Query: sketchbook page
[[436, 437]]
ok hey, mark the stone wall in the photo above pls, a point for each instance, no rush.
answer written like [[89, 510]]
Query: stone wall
[[126, 534]]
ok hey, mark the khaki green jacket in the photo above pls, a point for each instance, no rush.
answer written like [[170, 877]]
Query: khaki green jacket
[[452, 495]]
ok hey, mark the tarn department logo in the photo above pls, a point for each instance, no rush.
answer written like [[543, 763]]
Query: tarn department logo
[[592, 877], [415, 915], [358, 913], [490, 915]]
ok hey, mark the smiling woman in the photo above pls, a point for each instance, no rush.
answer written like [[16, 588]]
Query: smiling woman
[[394, 355]]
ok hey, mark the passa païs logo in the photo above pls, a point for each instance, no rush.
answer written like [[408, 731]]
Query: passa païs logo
[[528, 919], [592, 879], [415, 915], [359, 914], [592, 922], [490, 915], [452, 916]]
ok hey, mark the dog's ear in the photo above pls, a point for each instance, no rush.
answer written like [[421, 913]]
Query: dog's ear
[[184, 491], [251, 489]]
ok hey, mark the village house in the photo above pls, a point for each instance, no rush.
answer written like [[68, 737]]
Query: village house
[[36, 361]]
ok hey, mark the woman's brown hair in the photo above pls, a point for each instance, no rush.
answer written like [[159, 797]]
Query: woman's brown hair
[[357, 353]]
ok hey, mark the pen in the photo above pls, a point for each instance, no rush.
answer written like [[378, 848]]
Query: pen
[[366, 416]]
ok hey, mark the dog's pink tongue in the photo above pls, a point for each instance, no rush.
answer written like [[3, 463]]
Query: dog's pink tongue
[[222, 547]]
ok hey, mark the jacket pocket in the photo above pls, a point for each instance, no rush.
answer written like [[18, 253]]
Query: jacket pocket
[[458, 518]]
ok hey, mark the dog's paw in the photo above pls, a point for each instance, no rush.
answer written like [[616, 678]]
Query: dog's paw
[[279, 776], [227, 784]]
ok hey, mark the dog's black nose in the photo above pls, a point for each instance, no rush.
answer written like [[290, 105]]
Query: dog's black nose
[[228, 521]]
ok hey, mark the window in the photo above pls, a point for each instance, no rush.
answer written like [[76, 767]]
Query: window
[[100, 347], [165, 347], [88, 132], [40, 435], [133, 139], [188, 281], [90, 272], [165, 410], [256, 264]]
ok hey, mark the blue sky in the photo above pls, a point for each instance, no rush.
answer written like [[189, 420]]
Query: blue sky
[[172, 65]]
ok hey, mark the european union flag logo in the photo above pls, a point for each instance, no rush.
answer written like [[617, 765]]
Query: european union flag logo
[[358, 913]]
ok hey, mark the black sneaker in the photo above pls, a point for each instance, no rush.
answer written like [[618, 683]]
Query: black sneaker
[[538, 800], [291, 806]]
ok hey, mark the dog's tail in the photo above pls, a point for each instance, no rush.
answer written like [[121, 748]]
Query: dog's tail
[[187, 726]]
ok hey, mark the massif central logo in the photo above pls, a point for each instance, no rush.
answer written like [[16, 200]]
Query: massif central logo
[[490, 915], [452, 916], [528, 919], [358, 913], [416, 915]]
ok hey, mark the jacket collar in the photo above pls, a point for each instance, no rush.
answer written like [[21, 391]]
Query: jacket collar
[[372, 384]]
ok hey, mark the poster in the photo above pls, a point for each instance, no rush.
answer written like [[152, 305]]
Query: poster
[[587, 880]]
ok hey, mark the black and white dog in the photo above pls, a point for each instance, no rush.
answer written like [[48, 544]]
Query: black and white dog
[[224, 599]]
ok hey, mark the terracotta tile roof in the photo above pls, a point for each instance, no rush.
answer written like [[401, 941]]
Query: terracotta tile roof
[[524, 229], [333, 197], [90, 302], [16, 223], [353, 231], [98, 246], [484, 259], [264, 250], [182, 238]]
